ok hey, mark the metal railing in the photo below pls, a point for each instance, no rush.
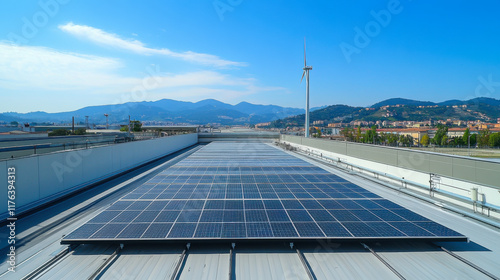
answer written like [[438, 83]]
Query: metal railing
[[405, 182], [11, 152]]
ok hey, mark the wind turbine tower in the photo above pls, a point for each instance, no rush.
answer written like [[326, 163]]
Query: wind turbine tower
[[306, 73], [106, 115]]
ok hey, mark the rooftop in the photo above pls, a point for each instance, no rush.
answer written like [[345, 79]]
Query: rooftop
[[39, 235]]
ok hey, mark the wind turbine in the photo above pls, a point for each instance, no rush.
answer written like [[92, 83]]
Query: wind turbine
[[306, 73]]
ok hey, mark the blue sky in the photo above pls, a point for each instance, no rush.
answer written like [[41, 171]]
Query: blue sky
[[61, 55]]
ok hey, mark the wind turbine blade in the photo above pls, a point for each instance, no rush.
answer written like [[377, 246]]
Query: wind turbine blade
[[303, 73], [305, 52]]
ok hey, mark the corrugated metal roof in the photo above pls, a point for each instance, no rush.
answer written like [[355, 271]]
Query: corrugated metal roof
[[206, 263], [413, 260], [273, 263], [347, 261], [146, 262]]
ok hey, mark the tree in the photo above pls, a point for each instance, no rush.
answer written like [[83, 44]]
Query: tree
[[465, 138], [358, 134], [392, 139], [80, 131], [317, 134], [374, 134], [347, 133], [406, 140], [59, 132], [425, 140], [483, 138], [383, 138], [473, 140], [411, 141], [14, 123], [440, 133], [136, 126], [494, 140], [124, 128], [444, 140]]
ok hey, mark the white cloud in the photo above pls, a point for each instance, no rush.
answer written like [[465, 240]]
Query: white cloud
[[104, 38], [43, 68], [40, 71]]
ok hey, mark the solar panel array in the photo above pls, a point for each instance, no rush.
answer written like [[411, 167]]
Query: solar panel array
[[253, 191]]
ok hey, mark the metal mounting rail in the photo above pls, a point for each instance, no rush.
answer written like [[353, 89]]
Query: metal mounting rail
[[182, 259], [41, 269], [383, 261], [469, 263], [304, 262], [98, 273], [231, 261]]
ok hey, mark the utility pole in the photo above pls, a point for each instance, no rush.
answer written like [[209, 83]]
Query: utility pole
[[106, 115], [468, 143], [73, 125], [87, 122]]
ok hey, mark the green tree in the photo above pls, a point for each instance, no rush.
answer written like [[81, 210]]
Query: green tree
[[347, 133], [494, 140], [392, 139], [80, 131], [442, 131], [473, 140], [124, 128], [317, 134], [406, 140], [444, 141], [425, 140], [59, 132], [374, 134], [358, 134], [136, 126], [383, 138], [483, 138], [465, 138]]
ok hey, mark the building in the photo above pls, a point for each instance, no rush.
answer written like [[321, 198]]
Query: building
[[263, 124], [366, 256]]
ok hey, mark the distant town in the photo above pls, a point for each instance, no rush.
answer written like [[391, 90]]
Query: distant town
[[441, 132]]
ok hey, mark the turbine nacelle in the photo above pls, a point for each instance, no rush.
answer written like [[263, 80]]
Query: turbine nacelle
[[306, 71]]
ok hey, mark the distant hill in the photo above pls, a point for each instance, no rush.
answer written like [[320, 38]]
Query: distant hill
[[334, 113], [214, 111], [482, 108], [167, 110], [402, 101]]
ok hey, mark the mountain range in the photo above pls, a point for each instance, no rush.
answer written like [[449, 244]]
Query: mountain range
[[213, 111], [166, 110], [482, 108]]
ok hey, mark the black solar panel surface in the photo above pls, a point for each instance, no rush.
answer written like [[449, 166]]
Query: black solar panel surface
[[253, 191]]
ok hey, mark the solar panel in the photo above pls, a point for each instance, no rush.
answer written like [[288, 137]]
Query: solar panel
[[232, 191]]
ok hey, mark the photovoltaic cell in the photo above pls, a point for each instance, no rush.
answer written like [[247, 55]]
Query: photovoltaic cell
[[208, 230], [259, 230], [157, 230], [230, 191]]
